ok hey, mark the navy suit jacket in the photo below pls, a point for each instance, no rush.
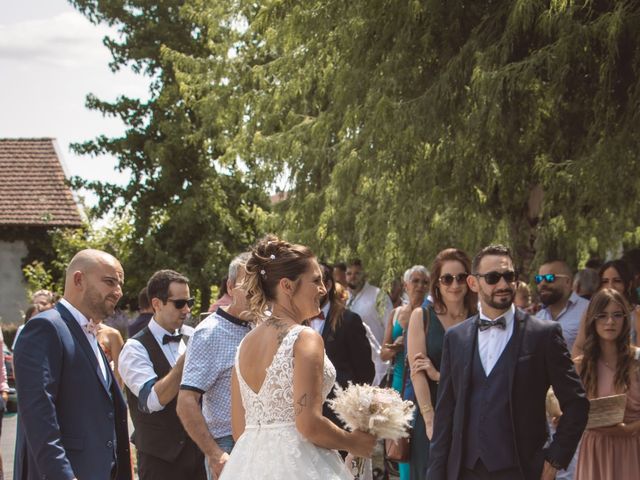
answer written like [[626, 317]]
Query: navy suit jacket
[[539, 359], [71, 424]]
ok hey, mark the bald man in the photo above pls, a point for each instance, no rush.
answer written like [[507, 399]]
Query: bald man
[[72, 421]]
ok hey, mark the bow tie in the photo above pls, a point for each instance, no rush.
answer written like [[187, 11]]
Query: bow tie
[[91, 328], [171, 338], [321, 316], [483, 324]]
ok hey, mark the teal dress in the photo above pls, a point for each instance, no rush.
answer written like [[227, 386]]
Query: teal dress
[[419, 441], [396, 381]]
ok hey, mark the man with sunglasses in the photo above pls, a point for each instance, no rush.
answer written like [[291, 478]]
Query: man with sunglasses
[[151, 366], [555, 282], [496, 368]]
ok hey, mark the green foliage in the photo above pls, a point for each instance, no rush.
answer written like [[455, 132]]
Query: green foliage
[[190, 209], [401, 128], [38, 278], [396, 128]]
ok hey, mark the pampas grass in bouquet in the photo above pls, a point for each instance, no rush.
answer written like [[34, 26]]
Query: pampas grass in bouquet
[[378, 411]]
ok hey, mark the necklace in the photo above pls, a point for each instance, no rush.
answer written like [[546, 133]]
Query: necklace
[[606, 364]]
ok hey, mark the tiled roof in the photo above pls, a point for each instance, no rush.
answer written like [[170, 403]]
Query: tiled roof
[[33, 191]]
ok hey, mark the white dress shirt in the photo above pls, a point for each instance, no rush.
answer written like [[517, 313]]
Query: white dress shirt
[[82, 321], [492, 341], [374, 307], [318, 323], [135, 366]]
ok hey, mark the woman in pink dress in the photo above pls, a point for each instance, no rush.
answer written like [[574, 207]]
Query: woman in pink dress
[[610, 366]]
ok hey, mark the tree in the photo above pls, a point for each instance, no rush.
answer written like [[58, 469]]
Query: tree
[[188, 212], [407, 127]]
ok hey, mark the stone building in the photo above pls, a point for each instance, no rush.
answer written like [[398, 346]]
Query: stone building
[[34, 199]]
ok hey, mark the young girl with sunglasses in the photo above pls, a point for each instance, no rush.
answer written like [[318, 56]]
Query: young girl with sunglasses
[[453, 302], [610, 366]]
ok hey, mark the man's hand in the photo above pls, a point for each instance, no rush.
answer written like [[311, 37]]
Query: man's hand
[[5, 396], [548, 472], [217, 464]]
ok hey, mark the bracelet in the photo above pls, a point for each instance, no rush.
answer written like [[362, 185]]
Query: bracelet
[[426, 409]]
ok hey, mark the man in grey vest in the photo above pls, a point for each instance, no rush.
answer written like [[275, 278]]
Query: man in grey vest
[[151, 365], [497, 366]]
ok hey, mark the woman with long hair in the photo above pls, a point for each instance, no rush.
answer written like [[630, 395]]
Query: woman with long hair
[[416, 285], [453, 302], [276, 412], [610, 366], [617, 275]]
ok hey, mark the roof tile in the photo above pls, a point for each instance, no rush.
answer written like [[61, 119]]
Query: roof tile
[[33, 191]]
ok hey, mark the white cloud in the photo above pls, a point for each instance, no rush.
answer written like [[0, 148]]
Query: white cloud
[[66, 40]]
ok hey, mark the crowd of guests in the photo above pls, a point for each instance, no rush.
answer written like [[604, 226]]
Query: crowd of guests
[[464, 340]]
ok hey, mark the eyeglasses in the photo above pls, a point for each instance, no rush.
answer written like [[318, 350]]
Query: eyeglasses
[[179, 304], [615, 316], [447, 279], [549, 278], [494, 277]]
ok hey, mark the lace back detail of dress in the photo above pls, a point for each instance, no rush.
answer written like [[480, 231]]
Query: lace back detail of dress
[[273, 403]]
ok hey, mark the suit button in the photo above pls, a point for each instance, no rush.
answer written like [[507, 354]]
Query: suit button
[[110, 444], [110, 415], [181, 442]]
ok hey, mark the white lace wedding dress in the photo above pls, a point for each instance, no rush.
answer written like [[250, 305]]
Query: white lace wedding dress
[[271, 448]]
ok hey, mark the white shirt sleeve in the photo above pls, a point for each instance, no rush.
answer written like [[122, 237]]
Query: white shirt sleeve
[[136, 369]]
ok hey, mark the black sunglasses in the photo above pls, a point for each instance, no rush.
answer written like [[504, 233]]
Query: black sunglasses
[[549, 278], [447, 279], [494, 277], [179, 304]]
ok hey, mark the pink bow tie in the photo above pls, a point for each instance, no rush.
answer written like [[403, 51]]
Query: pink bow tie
[[91, 328]]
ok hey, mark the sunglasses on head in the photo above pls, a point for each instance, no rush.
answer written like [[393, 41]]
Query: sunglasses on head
[[494, 277], [447, 279], [549, 278], [179, 304]]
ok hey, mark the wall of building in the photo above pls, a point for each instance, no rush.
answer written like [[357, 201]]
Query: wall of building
[[13, 291]]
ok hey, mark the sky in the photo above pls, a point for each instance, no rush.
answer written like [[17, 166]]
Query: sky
[[51, 57]]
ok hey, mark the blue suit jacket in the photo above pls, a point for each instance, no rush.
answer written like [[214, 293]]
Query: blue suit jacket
[[538, 360], [71, 423]]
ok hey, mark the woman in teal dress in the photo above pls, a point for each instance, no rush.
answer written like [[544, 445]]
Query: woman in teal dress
[[453, 302], [416, 284]]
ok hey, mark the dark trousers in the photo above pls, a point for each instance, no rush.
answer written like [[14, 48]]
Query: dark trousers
[[188, 466], [479, 472]]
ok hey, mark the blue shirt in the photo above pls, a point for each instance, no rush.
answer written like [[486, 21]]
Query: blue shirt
[[208, 366], [569, 317]]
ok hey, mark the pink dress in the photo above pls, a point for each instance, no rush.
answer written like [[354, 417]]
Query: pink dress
[[609, 457]]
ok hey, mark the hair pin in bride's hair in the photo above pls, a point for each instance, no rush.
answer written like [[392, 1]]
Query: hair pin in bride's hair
[[272, 256], [263, 273]]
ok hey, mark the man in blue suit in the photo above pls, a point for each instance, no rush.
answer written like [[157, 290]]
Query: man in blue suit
[[72, 419], [497, 366]]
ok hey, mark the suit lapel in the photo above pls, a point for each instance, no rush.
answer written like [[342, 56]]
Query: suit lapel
[[470, 338], [82, 340], [518, 334]]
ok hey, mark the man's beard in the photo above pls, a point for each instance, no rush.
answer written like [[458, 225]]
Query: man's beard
[[99, 305], [550, 297], [353, 286], [500, 304]]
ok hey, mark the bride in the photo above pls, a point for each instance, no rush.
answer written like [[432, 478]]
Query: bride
[[282, 376]]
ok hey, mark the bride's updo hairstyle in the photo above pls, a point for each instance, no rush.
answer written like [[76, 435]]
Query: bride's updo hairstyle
[[272, 260]]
